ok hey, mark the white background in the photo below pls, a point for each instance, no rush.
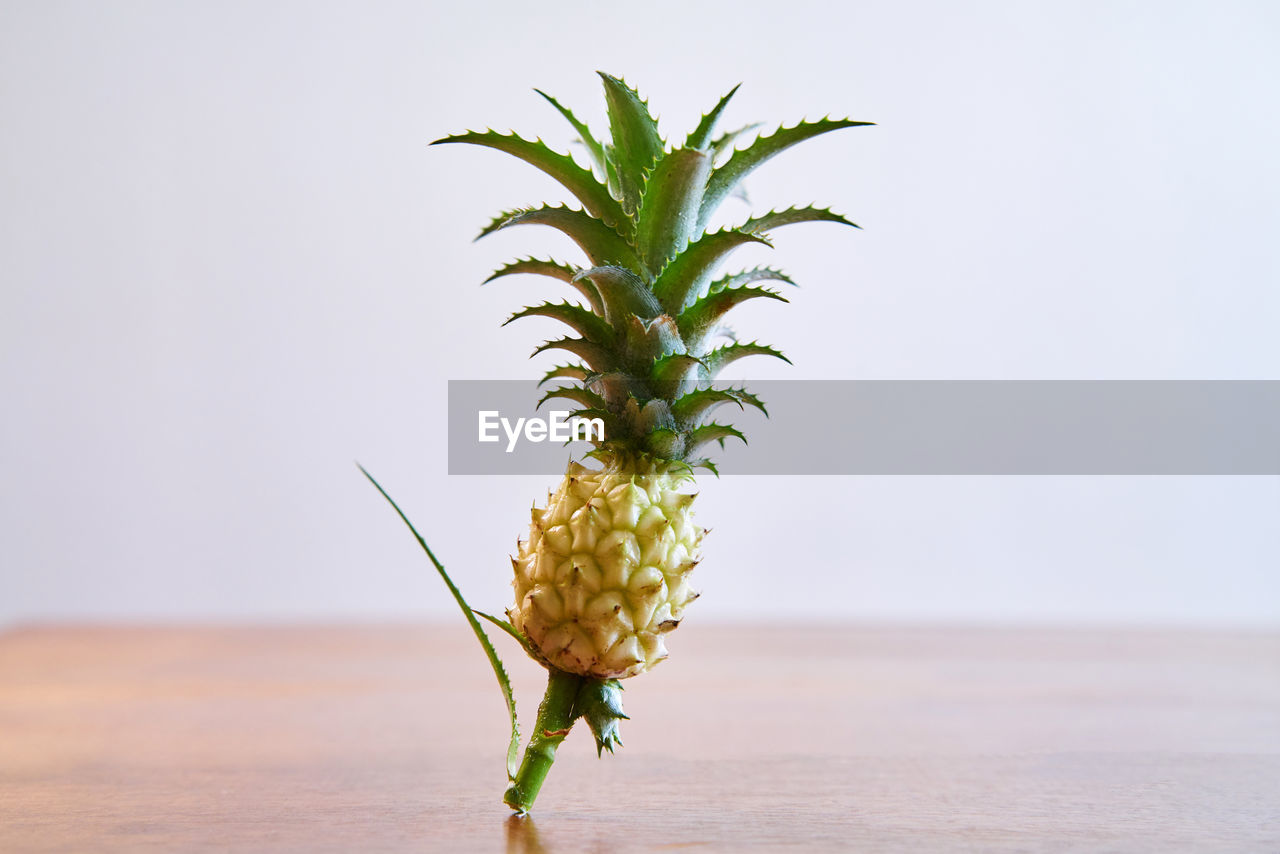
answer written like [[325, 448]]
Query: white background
[[231, 266]]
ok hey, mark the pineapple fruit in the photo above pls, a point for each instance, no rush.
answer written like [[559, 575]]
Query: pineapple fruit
[[604, 572]]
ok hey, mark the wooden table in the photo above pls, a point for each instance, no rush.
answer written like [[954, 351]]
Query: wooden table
[[748, 739]]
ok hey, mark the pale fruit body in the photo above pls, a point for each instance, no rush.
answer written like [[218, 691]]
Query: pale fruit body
[[604, 573]]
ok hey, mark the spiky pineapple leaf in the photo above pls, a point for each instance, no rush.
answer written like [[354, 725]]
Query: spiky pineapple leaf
[[598, 357], [568, 372], [553, 270], [725, 141], [695, 405], [637, 145], [515, 633], [622, 293], [744, 160], [746, 277], [586, 323], [705, 463], [603, 245], [593, 195], [682, 280], [721, 357], [654, 337], [699, 436], [594, 149], [668, 214], [673, 370], [583, 397], [513, 748], [701, 136], [774, 219], [700, 317], [537, 267]]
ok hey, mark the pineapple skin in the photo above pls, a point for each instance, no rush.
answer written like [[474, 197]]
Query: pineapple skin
[[605, 571]]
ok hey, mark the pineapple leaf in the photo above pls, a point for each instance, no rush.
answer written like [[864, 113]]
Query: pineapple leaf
[[586, 323], [622, 293], [602, 244], [513, 748], [594, 149], [515, 633], [593, 195], [699, 436], [744, 160], [637, 145], [673, 370], [598, 357], [581, 396], [773, 219], [569, 372], [701, 136], [537, 267], [721, 357], [682, 280], [725, 141], [749, 399], [653, 338], [746, 277], [551, 269], [669, 208], [692, 407], [705, 463], [703, 315]]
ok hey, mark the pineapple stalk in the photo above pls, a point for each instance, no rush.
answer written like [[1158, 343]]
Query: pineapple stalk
[[555, 719], [604, 573]]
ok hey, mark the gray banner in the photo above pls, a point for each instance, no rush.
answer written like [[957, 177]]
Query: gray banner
[[920, 427]]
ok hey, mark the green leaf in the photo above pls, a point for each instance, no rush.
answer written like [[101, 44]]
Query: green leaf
[[599, 702], [622, 293], [705, 463], [586, 323], [684, 278], [668, 215], [701, 136], [746, 277], [652, 338], [692, 407], [594, 148], [603, 245], [553, 270], [581, 396], [743, 161], [725, 141], [593, 195], [599, 358], [637, 145], [721, 357], [513, 749], [774, 219], [699, 436], [515, 633], [704, 314], [571, 372]]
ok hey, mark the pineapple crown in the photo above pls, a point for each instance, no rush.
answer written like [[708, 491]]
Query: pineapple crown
[[649, 330]]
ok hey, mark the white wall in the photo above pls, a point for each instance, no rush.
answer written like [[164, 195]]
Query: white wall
[[231, 266]]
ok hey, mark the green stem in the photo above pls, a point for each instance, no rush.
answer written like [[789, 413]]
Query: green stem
[[555, 717]]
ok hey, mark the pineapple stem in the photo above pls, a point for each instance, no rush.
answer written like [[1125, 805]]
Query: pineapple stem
[[555, 718]]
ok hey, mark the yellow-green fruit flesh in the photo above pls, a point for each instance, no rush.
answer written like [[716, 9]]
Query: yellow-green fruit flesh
[[604, 573]]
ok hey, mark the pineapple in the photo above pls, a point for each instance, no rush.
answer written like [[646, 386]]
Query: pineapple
[[604, 572]]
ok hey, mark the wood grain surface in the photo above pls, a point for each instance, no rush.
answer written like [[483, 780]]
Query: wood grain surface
[[769, 738]]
